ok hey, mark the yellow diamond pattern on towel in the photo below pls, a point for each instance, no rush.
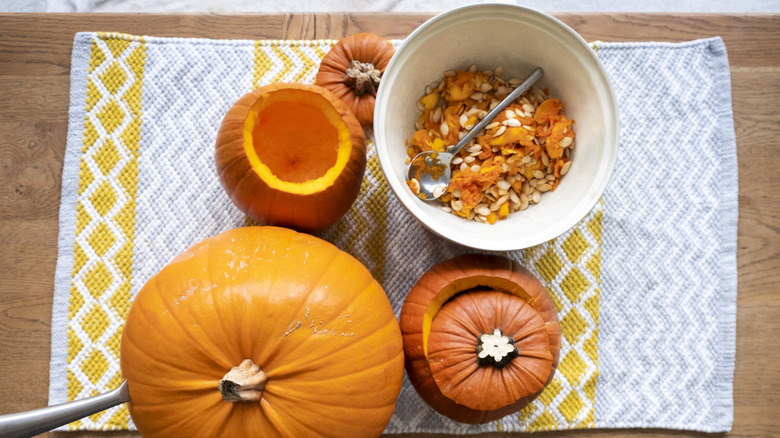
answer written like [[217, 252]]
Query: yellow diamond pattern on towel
[[100, 289], [570, 268]]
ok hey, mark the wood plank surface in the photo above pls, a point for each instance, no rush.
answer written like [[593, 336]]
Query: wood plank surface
[[35, 54]]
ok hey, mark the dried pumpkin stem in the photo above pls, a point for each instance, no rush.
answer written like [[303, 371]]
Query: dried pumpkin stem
[[495, 349], [243, 383], [363, 77]]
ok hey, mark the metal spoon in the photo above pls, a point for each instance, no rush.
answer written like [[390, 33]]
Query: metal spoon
[[30, 423], [432, 169]]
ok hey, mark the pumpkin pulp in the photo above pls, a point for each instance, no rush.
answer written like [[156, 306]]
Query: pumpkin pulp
[[296, 141]]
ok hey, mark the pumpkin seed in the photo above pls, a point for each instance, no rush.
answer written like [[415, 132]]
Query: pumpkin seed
[[463, 119], [513, 123], [566, 142], [445, 129], [499, 71], [523, 205], [500, 131], [565, 168], [436, 115], [446, 209]]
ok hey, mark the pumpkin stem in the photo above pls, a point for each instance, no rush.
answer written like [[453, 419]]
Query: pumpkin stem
[[363, 77], [243, 383], [496, 349]]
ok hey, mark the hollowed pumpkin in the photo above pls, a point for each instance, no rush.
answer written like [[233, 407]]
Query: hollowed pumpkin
[[481, 337], [291, 155], [262, 331]]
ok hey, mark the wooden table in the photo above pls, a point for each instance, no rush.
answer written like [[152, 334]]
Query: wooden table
[[35, 54]]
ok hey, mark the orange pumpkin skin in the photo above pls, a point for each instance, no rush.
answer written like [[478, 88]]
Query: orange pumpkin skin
[[367, 48], [311, 316], [427, 297], [275, 165]]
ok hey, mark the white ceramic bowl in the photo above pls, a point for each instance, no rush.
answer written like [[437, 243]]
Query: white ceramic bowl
[[518, 39]]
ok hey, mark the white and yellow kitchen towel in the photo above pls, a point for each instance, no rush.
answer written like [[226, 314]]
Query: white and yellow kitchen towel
[[645, 285]]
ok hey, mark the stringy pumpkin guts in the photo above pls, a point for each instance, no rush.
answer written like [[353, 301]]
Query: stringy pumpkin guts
[[523, 153]]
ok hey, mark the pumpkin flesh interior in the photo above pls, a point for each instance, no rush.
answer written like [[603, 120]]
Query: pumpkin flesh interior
[[296, 141], [465, 284]]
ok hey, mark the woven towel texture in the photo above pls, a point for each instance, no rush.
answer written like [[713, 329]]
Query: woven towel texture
[[645, 285]]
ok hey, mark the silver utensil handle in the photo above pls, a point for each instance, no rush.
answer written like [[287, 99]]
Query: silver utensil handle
[[30, 423], [516, 93]]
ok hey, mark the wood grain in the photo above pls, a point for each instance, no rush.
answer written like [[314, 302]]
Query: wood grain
[[35, 54]]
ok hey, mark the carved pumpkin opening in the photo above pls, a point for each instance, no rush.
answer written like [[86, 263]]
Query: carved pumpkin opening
[[296, 140]]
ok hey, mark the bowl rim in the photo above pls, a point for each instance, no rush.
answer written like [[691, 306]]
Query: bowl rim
[[605, 168]]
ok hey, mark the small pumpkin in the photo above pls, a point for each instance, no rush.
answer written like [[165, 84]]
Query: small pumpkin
[[262, 331], [353, 69], [291, 155], [481, 337]]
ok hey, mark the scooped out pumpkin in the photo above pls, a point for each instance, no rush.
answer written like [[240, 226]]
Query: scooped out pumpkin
[[481, 337], [291, 155], [262, 331]]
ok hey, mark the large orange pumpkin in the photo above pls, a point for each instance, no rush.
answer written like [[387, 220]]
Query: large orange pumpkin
[[481, 337], [262, 331], [291, 155], [353, 69]]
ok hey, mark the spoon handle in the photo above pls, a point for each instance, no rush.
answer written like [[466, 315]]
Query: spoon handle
[[30, 423], [522, 88]]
